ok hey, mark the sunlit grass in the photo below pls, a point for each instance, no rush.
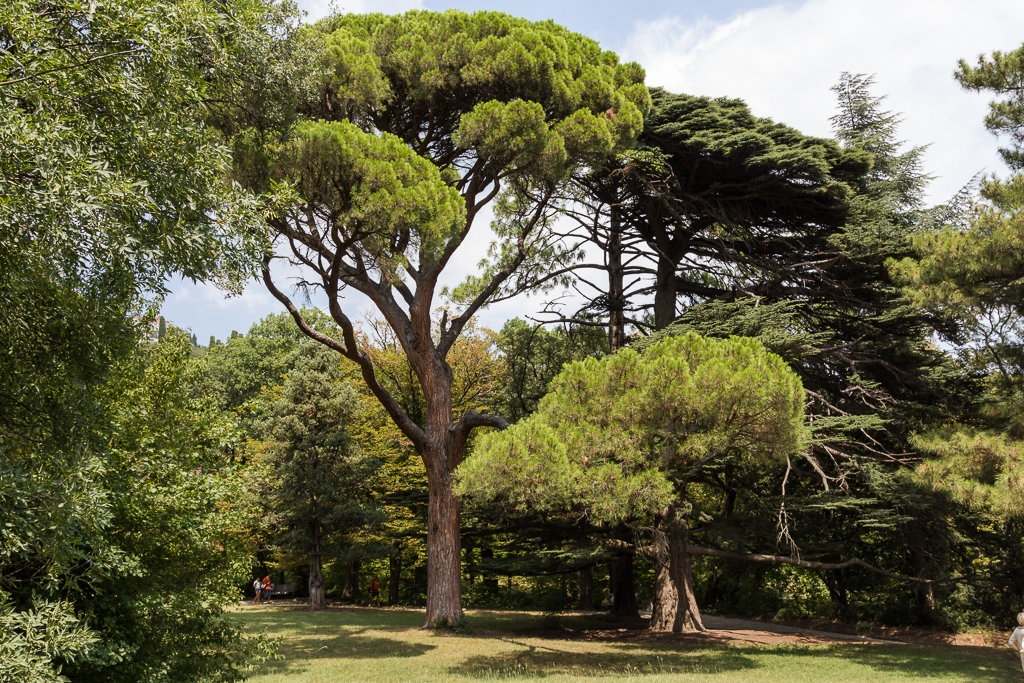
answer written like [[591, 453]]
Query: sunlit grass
[[387, 645]]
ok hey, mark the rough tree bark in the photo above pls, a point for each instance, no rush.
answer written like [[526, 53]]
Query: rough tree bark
[[316, 574], [675, 605], [444, 552]]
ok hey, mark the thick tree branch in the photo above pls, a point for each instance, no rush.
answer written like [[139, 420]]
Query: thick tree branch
[[350, 350]]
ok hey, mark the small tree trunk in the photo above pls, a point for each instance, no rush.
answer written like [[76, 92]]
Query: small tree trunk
[[491, 581], [419, 579], [925, 593], [586, 583], [623, 592], [316, 574], [837, 592], [394, 576], [467, 548], [351, 591]]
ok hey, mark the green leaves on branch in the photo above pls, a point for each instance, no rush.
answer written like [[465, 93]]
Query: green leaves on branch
[[981, 470], [615, 438], [375, 190]]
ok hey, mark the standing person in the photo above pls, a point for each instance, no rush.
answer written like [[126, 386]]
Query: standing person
[[267, 588], [257, 589], [1017, 638], [375, 591]]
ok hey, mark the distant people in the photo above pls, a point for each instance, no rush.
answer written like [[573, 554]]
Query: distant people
[[268, 588], [1017, 638], [257, 589], [375, 591]]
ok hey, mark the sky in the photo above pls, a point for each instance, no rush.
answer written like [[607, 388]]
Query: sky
[[782, 58]]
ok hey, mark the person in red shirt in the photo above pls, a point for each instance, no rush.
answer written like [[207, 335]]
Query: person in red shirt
[[375, 591]]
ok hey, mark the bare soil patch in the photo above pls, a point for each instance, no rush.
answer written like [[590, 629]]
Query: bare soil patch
[[598, 626]]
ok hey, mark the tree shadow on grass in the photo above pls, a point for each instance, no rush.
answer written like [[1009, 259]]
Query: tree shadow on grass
[[294, 653], [966, 663], [303, 622], [541, 661], [553, 658]]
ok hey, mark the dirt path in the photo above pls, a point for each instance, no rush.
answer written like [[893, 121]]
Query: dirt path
[[768, 633]]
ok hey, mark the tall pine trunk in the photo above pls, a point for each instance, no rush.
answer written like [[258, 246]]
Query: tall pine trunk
[[444, 548], [675, 605], [664, 293], [616, 284], [316, 574]]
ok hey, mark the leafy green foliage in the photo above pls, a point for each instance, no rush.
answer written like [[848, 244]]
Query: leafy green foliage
[[110, 180], [972, 275], [176, 547], [984, 471], [533, 357], [515, 95], [614, 437]]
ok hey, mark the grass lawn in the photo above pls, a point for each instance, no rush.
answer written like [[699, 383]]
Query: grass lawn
[[387, 645]]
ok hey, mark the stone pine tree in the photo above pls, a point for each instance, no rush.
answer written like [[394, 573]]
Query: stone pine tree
[[319, 476], [618, 439], [422, 121]]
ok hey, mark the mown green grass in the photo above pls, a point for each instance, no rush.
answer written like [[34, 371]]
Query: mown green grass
[[387, 645]]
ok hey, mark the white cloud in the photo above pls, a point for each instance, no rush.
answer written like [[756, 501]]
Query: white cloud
[[318, 9], [783, 59]]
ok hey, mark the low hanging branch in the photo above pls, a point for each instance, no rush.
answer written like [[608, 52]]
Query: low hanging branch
[[647, 551], [807, 564]]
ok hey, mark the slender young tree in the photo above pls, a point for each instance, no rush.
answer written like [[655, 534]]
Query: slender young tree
[[320, 477], [423, 120]]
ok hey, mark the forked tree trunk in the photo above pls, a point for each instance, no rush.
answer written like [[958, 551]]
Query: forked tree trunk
[[316, 574], [675, 605]]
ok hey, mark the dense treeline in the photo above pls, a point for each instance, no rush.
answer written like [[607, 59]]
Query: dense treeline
[[785, 386]]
